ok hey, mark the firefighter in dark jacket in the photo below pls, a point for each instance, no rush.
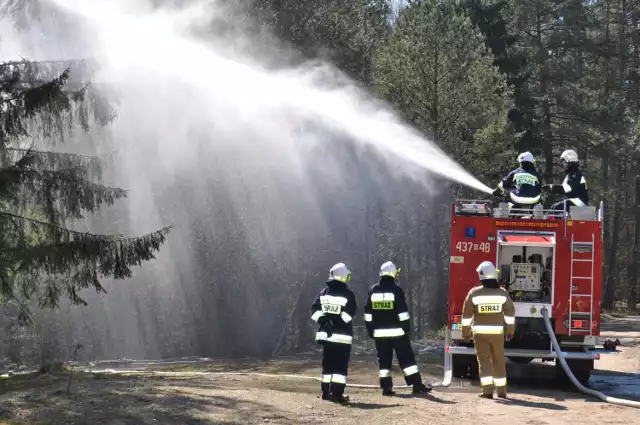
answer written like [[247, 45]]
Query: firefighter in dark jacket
[[574, 186], [334, 309], [387, 320], [522, 184], [485, 312]]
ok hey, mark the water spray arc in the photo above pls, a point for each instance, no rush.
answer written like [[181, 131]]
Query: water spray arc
[[145, 43]]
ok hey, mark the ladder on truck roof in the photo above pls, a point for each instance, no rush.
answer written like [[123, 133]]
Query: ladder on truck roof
[[581, 246]]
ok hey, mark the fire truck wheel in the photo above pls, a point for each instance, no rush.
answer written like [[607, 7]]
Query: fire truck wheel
[[521, 360], [581, 369], [474, 370], [462, 365]]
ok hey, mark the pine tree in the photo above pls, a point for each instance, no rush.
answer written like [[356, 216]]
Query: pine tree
[[438, 73], [345, 33], [42, 189]]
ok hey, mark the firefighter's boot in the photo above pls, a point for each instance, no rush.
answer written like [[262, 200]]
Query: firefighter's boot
[[388, 392], [501, 391], [421, 389], [486, 391], [324, 387], [340, 398]]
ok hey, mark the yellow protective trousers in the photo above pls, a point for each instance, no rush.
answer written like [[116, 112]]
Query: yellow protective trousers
[[493, 372]]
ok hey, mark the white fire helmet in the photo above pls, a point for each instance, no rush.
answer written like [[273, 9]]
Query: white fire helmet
[[526, 157], [569, 155], [340, 272], [486, 270], [389, 269]]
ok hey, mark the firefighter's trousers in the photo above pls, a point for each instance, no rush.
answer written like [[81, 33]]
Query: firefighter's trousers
[[335, 365], [402, 346], [490, 353]]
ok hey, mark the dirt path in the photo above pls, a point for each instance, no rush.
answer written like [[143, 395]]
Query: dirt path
[[624, 328], [196, 395], [192, 399]]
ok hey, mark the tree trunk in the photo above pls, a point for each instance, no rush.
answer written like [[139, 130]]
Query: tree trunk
[[420, 239], [547, 134], [611, 270], [634, 281]]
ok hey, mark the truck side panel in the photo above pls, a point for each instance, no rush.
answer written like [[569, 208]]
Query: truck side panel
[[468, 249]]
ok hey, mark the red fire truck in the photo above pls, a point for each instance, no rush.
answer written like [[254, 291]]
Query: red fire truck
[[546, 259]]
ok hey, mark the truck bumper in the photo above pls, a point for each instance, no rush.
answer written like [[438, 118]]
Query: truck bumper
[[536, 354]]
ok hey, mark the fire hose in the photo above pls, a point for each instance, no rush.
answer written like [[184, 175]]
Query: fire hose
[[579, 386], [545, 315], [266, 375]]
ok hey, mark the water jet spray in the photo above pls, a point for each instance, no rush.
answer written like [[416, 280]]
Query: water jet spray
[[156, 42]]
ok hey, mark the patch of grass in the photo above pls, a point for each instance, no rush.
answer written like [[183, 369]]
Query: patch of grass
[[34, 380]]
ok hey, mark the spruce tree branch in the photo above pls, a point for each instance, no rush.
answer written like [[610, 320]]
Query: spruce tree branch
[[47, 98], [95, 236], [61, 160], [74, 194], [73, 265], [91, 237], [27, 85], [25, 62], [47, 224]]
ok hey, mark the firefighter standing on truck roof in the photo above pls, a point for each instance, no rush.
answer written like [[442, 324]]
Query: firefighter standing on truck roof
[[523, 183], [574, 186], [486, 310], [387, 320], [333, 309]]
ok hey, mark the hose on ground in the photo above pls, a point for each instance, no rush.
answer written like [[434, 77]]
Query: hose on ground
[[579, 386], [266, 375]]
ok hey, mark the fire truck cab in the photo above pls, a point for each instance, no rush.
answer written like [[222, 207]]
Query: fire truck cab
[[546, 259]]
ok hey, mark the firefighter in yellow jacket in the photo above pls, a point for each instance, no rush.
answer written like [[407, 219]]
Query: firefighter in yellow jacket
[[486, 310]]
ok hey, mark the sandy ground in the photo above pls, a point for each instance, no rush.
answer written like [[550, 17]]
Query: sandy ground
[[186, 395]]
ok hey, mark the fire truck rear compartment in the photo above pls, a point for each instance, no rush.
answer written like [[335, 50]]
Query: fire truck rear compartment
[[526, 263], [549, 263], [526, 270]]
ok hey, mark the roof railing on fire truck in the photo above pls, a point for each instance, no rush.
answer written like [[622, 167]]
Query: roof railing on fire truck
[[483, 207]]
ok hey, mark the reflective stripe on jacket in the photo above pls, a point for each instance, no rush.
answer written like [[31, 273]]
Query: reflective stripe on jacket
[[386, 313], [488, 310]]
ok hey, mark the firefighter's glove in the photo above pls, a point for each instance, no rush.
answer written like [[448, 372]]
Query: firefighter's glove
[[467, 334], [496, 192], [509, 336], [546, 187], [323, 319], [327, 327]]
